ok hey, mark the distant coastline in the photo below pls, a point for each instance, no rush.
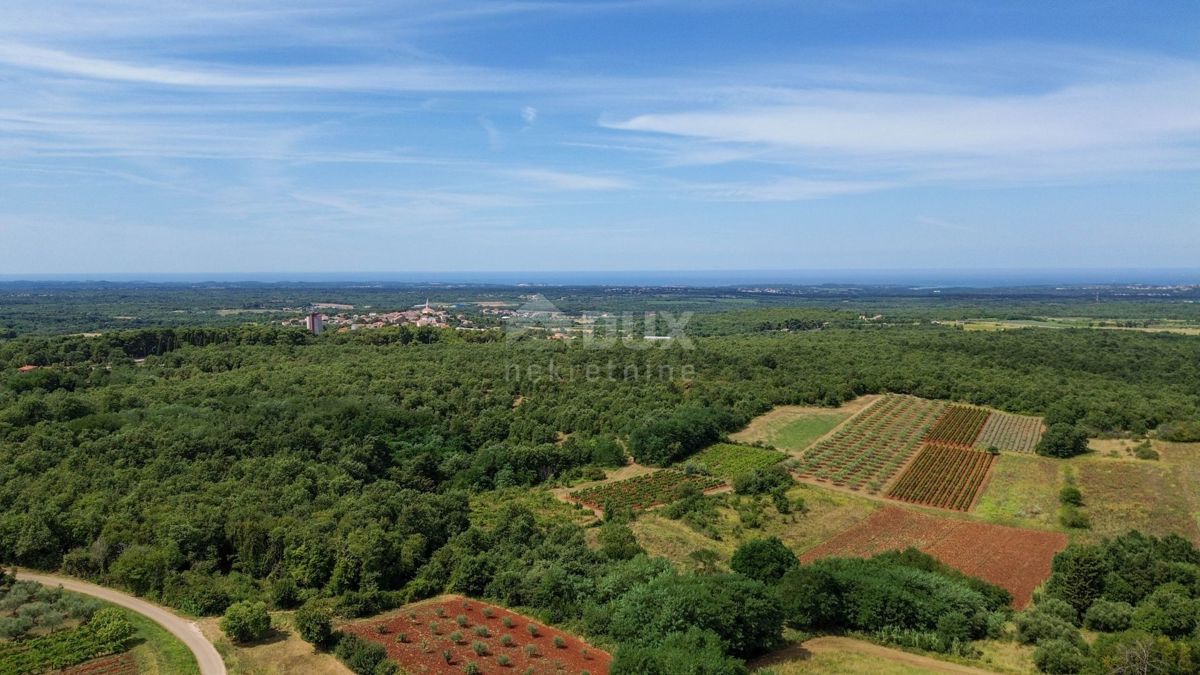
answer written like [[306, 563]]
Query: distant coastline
[[942, 278]]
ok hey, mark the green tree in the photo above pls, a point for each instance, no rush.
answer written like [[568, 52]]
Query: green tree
[[763, 559], [246, 621], [314, 623], [1063, 440]]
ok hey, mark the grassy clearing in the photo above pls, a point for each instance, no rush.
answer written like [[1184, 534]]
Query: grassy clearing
[[828, 513], [795, 428], [847, 663], [1022, 491], [1122, 494], [281, 652]]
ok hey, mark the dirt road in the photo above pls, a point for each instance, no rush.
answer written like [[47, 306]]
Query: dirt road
[[840, 644], [187, 631]]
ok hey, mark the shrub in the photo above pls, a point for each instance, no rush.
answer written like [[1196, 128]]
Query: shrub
[[1072, 517], [533, 630], [1034, 627], [503, 660], [1167, 611], [1059, 656], [1070, 495], [447, 656], [246, 621], [1059, 609], [456, 637], [482, 631], [471, 669], [314, 623], [435, 628], [461, 620], [488, 612], [559, 642], [617, 541], [763, 559], [402, 637], [479, 648], [111, 627], [359, 655], [506, 640], [440, 612], [1108, 616], [1063, 440], [763, 481], [695, 651], [507, 621], [531, 651], [381, 628]]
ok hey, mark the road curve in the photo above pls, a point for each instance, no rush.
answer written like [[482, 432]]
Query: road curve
[[187, 631]]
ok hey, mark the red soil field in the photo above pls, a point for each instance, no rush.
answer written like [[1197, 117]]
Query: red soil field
[[1013, 558], [118, 664], [422, 650]]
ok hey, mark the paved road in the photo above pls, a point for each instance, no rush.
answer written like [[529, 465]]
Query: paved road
[[187, 631]]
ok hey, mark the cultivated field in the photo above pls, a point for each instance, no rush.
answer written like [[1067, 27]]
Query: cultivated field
[[794, 428], [1015, 433], [871, 447], [1014, 558], [727, 460], [446, 634], [119, 664], [943, 476], [641, 492], [958, 425]]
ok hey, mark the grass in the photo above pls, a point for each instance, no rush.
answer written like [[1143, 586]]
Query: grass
[[727, 460], [1124, 494], [159, 651], [828, 513], [1022, 491], [794, 428], [849, 663]]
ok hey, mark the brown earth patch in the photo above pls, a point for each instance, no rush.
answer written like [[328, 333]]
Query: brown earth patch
[[1013, 558]]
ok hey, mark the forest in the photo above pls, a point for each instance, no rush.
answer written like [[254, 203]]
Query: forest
[[206, 466]]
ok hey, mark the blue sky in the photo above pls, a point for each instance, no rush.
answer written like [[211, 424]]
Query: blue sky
[[160, 136]]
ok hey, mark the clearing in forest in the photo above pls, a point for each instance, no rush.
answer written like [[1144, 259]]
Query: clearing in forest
[[871, 447], [446, 634], [1006, 431], [943, 476], [1013, 558], [641, 492], [794, 427], [727, 460]]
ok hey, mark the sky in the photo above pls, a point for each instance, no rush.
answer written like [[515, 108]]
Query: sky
[[281, 136]]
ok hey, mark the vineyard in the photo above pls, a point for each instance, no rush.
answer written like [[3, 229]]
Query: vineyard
[[869, 449], [943, 476], [1018, 433], [728, 460], [960, 425], [641, 492], [120, 664]]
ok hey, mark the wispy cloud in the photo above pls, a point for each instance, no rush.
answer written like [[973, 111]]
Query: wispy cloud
[[563, 180]]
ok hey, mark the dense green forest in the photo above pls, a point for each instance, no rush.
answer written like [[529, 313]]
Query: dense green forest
[[204, 466]]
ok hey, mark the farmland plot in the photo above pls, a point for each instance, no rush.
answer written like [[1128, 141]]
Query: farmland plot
[[448, 634], [869, 449], [641, 492], [959, 425], [1014, 558], [943, 476], [1018, 433], [727, 460]]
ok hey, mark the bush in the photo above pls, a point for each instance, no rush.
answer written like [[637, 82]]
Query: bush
[[762, 481], [456, 637], [1059, 609], [1167, 611], [765, 560], [109, 626], [314, 623], [1034, 627], [1059, 656], [1063, 440], [1108, 616], [559, 642], [246, 621], [695, 652], [1072, 517], [617, 541], [359, 655], [745, 614], [1070, 495]]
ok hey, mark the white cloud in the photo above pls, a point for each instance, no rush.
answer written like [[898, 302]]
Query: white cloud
[[561, 180], [529, 114], [786, 189]]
